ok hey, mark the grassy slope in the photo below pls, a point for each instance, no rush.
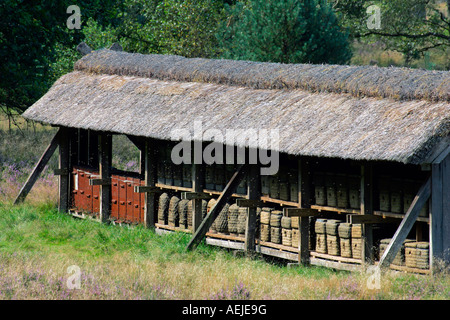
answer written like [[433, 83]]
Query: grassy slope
[[37, 245]]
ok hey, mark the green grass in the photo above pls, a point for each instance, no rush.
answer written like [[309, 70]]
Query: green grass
[[37, 240]]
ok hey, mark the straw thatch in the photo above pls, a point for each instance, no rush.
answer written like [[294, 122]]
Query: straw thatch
[[359, 81], [388, 113]]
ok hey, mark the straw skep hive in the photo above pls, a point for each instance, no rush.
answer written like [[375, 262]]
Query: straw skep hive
[[348, 112]]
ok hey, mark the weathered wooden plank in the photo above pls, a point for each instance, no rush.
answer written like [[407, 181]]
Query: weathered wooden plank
[[150, 165], [405, 226], [368, 219], [212, 215], [300, 212], [105, 161], [305, 201], [194, 195], [440, 210], [198, 173], [367, 209], [250, 203], [37, 170], [446, 209], [99, 182], [63, 170], [254, 194], [143, 189]]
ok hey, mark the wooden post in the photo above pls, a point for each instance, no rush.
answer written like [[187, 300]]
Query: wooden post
[[367, 208], [105, 155], [197, 186], [200, 233], [63, 165], [254, 193], [150, 162], [406, 225], [304, 198], [440, 210], [40, 165]]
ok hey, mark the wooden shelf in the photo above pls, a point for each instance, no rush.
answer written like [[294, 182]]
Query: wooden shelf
[[280, 202], [277, 246], [176, 188], [166, 227], [338, 265], [398, 216], [215, 192], [334, 209], [407, 269], [334, 258]]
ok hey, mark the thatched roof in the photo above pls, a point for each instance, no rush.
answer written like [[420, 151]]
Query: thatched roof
[[351, 112]]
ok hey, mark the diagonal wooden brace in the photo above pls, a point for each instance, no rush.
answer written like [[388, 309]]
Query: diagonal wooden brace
[[405, 226], [40, 165], [200, 233]]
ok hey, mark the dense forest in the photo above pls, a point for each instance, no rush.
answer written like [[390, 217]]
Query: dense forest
[[37, 45]]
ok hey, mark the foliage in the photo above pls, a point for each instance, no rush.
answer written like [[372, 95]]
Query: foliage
[[412, 27], [33, 35], [183, 27], [287, 31]]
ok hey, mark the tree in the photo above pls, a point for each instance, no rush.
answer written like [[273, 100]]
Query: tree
[[183, 27], [33, 37], [287, 31], [412, 27]]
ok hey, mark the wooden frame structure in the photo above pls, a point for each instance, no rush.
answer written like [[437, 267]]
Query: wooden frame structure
[[435, 188], [354, 173]]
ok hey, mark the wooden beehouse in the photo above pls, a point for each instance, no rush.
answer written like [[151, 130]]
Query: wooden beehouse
[[363, 167]]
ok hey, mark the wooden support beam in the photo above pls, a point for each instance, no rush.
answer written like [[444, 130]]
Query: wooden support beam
[[440, 210], [137, 141], [230, 188], [198, 178], [300, 212], [194, 195], [150, 189], [63, 170], [99, 182], [105, 161], [368, 219], [60, 172], [250, 203], [254, 194], [150, 164], [37, 170], [406, 225], [305, 201], [367, 253]]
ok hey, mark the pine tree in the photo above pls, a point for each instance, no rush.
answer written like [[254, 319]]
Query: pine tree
[[287, 31]]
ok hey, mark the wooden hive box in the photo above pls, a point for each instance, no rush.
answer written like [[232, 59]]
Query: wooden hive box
[[384, 196], [354, 191], [417, 255], [342, 191], [293, 185], [265, 185], [319, 189], [274, 187], [187, 176], [330, 185], [399, 259], [396, 196]]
